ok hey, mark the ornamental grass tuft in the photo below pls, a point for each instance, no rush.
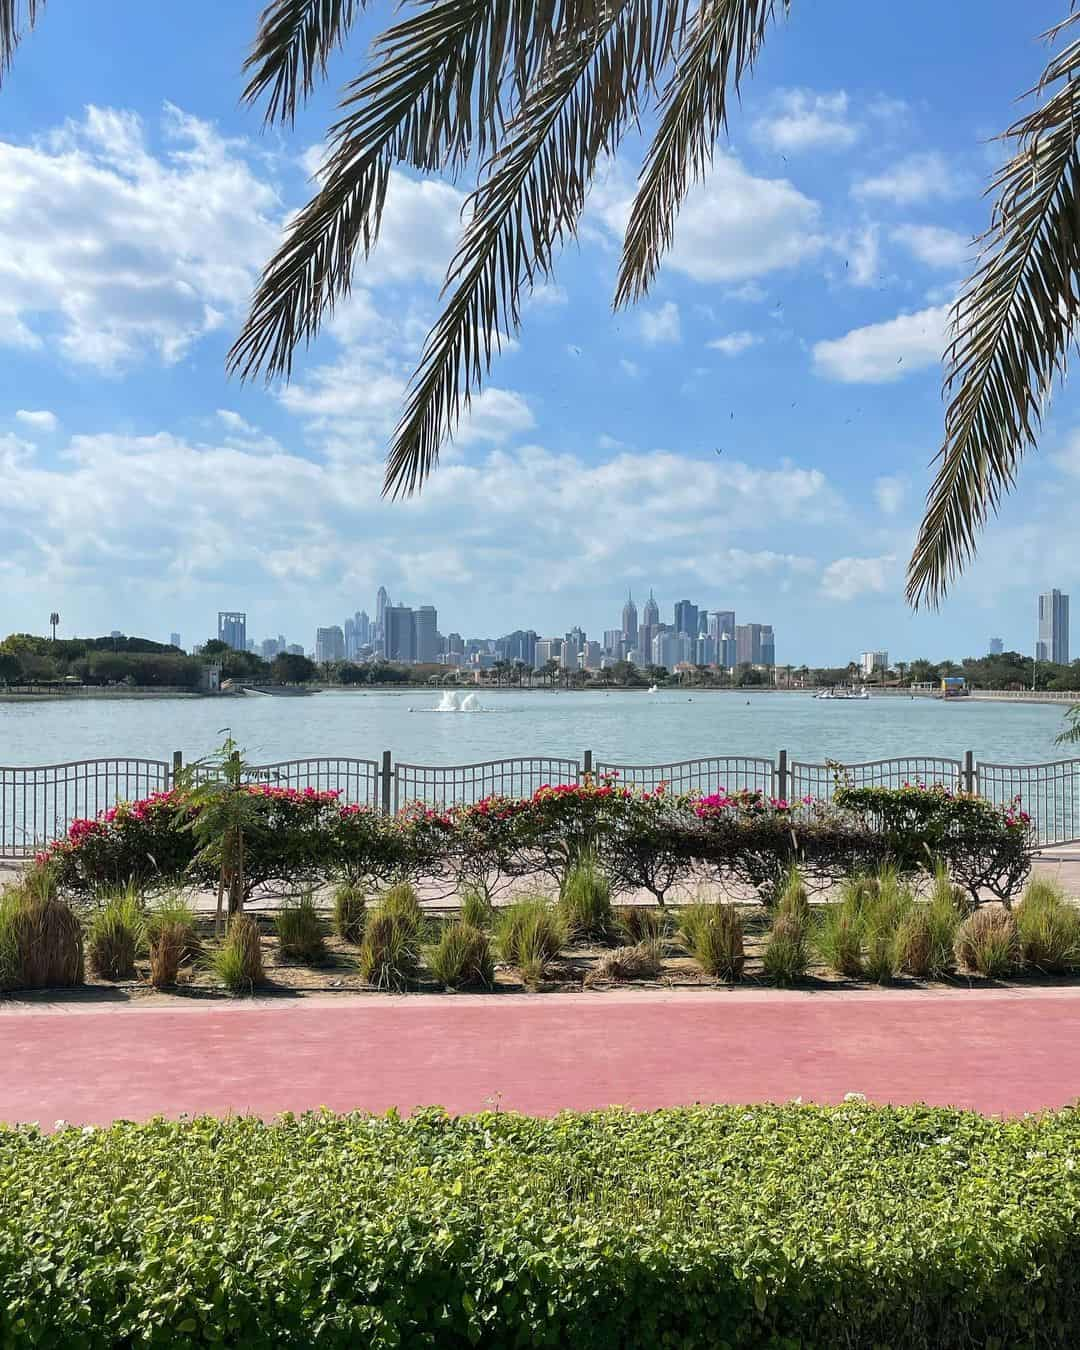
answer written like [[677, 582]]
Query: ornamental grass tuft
[[794, 898], [390, 952], [476, 908], [585, 902], [167, 946], [988, 943], [642, 961], [713, 935], [642, 923], [462, 957], [41, 940], [116, 934], [300, 931], [237, 961], [173, 911], [349, 908], [529, 934], [1048, 927], [785, 959]]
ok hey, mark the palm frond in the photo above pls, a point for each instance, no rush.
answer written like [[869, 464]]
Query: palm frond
[[1011, 330], [11, 27], [721, 47], [530, 200], [294, 41], [439, 89]]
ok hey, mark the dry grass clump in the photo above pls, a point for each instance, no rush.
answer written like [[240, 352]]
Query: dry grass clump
[[785, 958], [713, 935], [238, 962], [41, 940], [350, 905], [642, 961], [643, 923], [988, 942]]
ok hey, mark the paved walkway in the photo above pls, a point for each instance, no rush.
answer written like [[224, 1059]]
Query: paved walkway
[[997, 1051]]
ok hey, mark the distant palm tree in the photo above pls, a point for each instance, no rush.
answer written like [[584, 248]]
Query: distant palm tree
[[540, 93]]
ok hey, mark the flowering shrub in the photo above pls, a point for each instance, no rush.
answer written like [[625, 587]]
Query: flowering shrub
[[650, 840]]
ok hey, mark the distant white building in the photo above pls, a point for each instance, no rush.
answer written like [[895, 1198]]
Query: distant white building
[[871, 661]]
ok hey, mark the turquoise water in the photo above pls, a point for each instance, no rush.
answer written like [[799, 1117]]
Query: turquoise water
[[633, 728]]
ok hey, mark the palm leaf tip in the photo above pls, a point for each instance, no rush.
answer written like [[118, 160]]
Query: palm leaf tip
[[15, 17], [294, 42], [1013, 327]]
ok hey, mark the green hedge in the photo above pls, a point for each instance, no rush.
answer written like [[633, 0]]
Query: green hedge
[[720, 1227]]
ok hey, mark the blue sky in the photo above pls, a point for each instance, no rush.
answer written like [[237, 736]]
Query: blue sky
[[796, 327]]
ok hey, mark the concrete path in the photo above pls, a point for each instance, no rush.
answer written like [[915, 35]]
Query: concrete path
[[1002, 1050]]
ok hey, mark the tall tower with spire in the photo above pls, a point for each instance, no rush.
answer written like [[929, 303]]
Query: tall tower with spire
[[629, 622], [651, 614]]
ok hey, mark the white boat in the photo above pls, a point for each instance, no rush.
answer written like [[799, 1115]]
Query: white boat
[[844, 695], [652, 689]]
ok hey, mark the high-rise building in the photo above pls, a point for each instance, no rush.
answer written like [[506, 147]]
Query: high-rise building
[[871, 661], [351, 643], [548, 649], [755, 644], [232, 629], [703, 623], [455, 645], [727, 651], [382, 602], [721, 622], [572, 647], [997, 646], [592, 656], [665, 649], [363, 628], [520, 645], [629, 621], [686, 618], [329, 644], [1053, 642], [615, 641], [174, 639], [426, 639], [399, 633], [651, 613], [295, 649]]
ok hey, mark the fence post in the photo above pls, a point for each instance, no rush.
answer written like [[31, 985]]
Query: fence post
[[385, 782], [782, 776], [969, 772], [586, 764]]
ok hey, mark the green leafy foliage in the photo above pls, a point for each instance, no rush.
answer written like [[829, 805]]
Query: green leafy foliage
[[585, 902], [915, 1228]]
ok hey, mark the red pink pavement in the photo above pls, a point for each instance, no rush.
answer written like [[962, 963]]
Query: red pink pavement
[[1004, 1050]]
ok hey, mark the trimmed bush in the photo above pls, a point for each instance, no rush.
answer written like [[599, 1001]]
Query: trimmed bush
[[167, 944], [988, 942], [115, 935], [785, 958], [237, 962], [915, 1228], [476, 909], [713, 935], [585, 902], [530, 934], [642, 923], [642, 961], [462, 957], [1048, 927], [349, 908], [300, 931], [41, 941]]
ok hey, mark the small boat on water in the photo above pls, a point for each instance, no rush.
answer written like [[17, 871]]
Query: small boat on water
[[652, 689], [843, 695]]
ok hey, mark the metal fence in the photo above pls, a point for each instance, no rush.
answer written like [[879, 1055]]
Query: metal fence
[[38, 804]]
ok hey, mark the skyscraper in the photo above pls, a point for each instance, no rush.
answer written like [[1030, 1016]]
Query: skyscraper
[[629, 622], [382, 602], [686, 618], [174, 639], [232, 629], [1053, 643], [399, 633], [651, 613], [363, 628], [755, 644], [329, 644], [426, 639], [997, 646]]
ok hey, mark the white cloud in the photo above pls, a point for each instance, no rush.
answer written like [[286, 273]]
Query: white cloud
[[629, 368], [863, 256], [849, 578], [916, 178], [731, 344], [233, 421], [732, 226], [547, 295], [494, 415], [883, 352], [660, 325], [42, 420], [933, 245], [121, 253], [890, 493], [801, 119], [749, 293]]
